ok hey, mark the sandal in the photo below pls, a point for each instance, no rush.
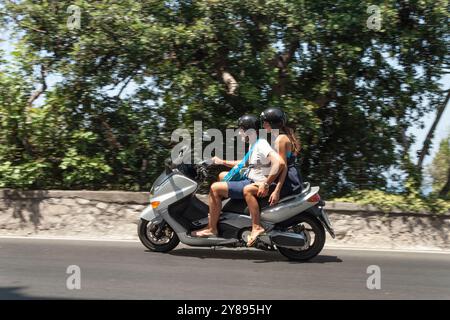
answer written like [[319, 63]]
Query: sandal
[[251, 241]]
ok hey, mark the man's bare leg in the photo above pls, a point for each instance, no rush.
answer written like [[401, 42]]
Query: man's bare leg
[[218, 191]]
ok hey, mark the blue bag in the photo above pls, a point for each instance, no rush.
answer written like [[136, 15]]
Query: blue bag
[[237, 173]]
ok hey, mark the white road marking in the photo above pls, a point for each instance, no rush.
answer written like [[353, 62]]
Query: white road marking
[[68, 238], [387, 250], [186, 246]]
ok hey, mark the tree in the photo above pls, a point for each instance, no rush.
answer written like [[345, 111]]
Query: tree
[[136, 70], [429, 137], [439, 169]]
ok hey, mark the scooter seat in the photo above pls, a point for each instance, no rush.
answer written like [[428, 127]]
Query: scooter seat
[[239, 206]]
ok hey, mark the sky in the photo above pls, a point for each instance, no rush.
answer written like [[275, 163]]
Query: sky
[[442, 130]]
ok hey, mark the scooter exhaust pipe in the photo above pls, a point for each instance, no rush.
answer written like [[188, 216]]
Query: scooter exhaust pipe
[[288, 239]]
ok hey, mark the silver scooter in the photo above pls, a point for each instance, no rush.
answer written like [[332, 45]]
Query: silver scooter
[[295, 226]]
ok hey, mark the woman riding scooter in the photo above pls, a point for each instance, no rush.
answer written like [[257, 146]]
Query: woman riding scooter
[[289, 182], [261, 154]]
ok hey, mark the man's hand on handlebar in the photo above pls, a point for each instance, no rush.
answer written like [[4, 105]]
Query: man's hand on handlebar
[[216, 160], [202, 172]]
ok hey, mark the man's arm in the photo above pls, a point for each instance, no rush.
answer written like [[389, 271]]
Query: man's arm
[[230, 163], [276, 168], [227, 163]]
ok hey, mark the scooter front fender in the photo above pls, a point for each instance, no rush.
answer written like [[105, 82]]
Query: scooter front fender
[[150, 214]]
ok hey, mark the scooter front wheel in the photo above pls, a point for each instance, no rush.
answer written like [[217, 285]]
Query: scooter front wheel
[[157, 237]]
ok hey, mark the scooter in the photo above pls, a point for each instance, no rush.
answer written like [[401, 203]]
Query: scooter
[[295, 226]]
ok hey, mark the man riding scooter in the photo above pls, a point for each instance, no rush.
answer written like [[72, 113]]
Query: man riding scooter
[[260, 158], [294, 226]]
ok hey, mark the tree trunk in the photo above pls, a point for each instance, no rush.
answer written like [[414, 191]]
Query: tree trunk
[[282, 62], [427, 142], [229, 81]]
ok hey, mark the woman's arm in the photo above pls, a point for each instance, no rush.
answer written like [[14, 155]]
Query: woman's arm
[[281, 145]]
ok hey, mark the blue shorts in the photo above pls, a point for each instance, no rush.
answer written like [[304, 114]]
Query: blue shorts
[[236, 188]]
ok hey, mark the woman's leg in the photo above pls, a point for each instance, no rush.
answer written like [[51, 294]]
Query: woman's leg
[[250, 193], [217, 192]]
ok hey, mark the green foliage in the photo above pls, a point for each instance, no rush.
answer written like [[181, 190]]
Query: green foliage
[[410, 202], [137, 70], [80, 170], [440, 166], [22, 175]]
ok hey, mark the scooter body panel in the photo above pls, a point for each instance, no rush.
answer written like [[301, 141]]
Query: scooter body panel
[[288, 209], [174, 188]]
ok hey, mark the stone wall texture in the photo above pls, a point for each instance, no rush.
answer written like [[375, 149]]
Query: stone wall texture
[[87, 214], [115, 214]]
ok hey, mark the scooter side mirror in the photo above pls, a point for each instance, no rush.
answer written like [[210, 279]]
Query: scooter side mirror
[[168, 165]]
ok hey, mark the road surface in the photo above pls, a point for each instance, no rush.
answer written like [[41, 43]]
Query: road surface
[[37, 269]]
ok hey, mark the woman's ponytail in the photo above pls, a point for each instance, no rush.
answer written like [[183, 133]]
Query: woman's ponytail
[[296, 146]]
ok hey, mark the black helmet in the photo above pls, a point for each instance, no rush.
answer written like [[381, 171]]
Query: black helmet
[[248, 121], [276, 117]]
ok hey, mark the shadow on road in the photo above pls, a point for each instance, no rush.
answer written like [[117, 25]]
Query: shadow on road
[[257, 256], [14, 293]]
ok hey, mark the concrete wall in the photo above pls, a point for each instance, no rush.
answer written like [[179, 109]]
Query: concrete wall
[[89, 214], [360, 226], [114, 215]]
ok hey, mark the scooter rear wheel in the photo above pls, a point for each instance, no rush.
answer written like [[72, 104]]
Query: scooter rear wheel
[[157, 237], [309, 225]]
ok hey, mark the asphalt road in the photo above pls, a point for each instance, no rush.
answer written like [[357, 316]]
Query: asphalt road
[[37, 269]]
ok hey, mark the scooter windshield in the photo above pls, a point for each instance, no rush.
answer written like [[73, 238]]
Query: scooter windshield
[[161, 178]]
